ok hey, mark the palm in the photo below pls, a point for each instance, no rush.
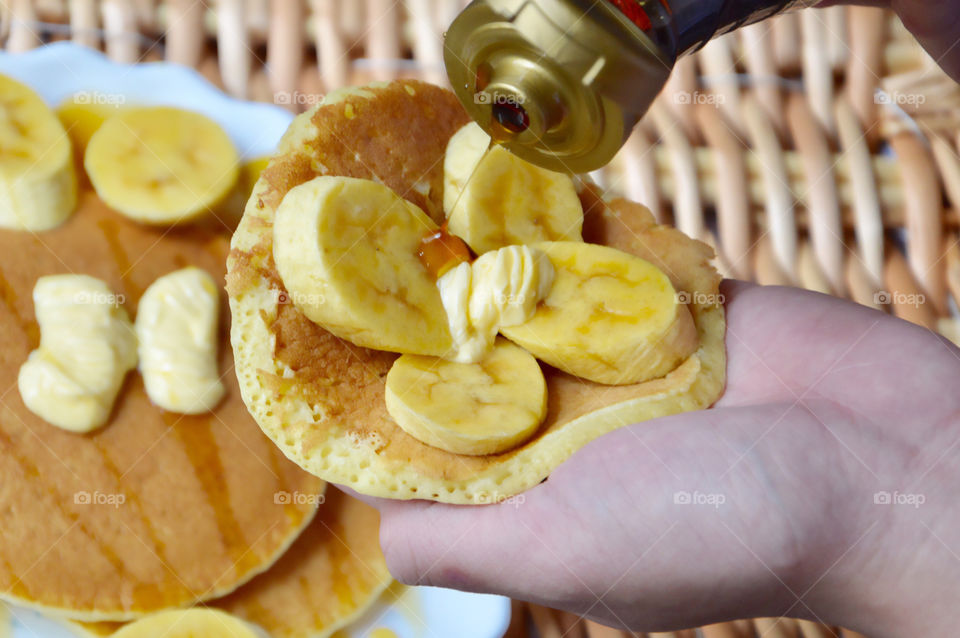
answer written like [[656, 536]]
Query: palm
[[736, 511]]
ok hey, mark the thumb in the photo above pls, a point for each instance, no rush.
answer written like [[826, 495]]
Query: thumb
[[936, 24], [476, 548]]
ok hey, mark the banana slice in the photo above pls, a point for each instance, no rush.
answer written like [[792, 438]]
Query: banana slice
[[469, 408], [251, 170], [83, 113], [346, 250], [161, 165], [610, 317], [38, 183], [493, 198], [198, 622]]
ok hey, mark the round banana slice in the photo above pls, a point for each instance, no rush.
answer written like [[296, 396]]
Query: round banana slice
[[250, 172], [83, 113], [190, 623], [346, 250], [493, 198], [469, 408], [38, 183], [161, 165], [610, 317]]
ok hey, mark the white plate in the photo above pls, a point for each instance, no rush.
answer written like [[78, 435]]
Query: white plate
[[60, 70], [420, 612]]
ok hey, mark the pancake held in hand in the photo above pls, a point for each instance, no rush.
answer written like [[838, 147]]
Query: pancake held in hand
[[155, 509], [321, 399], [329, 576]]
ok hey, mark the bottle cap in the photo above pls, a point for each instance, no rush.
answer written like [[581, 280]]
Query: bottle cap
[[560, 83]]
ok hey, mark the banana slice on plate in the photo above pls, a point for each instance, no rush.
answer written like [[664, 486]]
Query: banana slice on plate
[[83, 113], [610, 317], [38, 184], [346, 250], [250, 173], [493, 198], [190, 623], [469, 408], [161, 165]]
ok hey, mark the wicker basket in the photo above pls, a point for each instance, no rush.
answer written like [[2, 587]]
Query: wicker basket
[[818, 149]]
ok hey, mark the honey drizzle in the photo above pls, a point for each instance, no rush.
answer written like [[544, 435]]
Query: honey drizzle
[[132, 498], [440, 251], [17, 586], [199, 444], [338, 557], [29, 326], [111, 232]]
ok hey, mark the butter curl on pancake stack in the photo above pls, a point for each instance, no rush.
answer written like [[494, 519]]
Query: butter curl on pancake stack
[[321, 398], [155, 510]]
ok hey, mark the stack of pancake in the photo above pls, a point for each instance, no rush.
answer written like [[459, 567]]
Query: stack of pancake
[[158, 510]]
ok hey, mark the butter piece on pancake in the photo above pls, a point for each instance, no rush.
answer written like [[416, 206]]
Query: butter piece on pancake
[[501, 288], [87, 346], [177, 325]]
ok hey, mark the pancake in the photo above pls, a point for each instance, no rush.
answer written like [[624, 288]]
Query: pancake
[[321, 399], [329, 576], [198, 515]]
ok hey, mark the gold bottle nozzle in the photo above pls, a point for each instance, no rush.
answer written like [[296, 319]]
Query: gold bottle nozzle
[[561, 83]]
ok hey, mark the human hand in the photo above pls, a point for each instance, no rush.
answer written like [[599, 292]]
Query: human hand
[[761, 506], [934, 23]]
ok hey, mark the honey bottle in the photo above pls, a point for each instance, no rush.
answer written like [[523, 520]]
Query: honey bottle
[[562, 83]]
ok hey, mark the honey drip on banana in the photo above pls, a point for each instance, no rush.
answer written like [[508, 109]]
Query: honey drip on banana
[[440, 251]]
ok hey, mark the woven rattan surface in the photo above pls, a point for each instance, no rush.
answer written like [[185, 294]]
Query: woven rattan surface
[[818, 149]]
